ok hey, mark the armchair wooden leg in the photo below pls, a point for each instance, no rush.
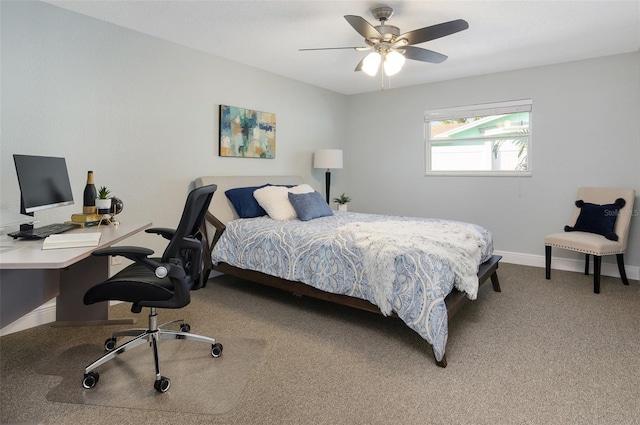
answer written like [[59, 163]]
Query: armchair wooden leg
[[623, 274], [586, 264], [547, 261], [597, 261]]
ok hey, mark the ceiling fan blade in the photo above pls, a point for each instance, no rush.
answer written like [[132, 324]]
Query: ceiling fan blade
[[336, 48], [434, 31], [424, 55], [363, 27]]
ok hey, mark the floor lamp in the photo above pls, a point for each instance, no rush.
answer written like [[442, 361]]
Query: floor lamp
[[327, 158]]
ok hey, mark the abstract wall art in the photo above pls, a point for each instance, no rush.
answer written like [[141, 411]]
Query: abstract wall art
[[247, 133]]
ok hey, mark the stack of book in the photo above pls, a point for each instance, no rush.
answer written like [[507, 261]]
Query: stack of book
[[86, 220]]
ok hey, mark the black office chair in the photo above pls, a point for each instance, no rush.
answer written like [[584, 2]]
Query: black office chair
[[157, 283]]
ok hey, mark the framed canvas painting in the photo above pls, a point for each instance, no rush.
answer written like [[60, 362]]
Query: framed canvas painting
[[247, 133]]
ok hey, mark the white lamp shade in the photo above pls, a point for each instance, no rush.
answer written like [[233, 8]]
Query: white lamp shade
[[393, 63], [327, 158], [371, 63]]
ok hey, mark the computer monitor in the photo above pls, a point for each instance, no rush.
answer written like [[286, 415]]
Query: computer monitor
[[44, 183]]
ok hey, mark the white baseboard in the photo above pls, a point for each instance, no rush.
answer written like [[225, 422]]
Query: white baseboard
[[42, 315], [567, 264], [46, 313]]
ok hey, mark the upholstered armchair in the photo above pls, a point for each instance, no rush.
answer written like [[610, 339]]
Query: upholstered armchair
[[599, 226]]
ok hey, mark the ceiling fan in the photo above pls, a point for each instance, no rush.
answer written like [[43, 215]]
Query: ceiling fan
[[392, 48]]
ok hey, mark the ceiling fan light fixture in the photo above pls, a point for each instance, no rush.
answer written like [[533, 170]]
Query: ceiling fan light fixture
[[393, 63], [371, 63], [391, 47]]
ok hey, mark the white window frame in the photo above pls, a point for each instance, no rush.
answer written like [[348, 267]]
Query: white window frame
[[496, 108]]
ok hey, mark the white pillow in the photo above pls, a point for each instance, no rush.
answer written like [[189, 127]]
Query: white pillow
[[275, 200]]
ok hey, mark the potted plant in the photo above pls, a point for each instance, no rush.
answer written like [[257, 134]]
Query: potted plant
[[103, 204], [342, 202]]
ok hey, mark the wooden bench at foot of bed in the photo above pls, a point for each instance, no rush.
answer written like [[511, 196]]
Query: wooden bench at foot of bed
[[454, 301]]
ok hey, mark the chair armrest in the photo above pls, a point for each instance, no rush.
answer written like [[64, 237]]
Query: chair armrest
[[123, 251], [165, 232], [134, 253]]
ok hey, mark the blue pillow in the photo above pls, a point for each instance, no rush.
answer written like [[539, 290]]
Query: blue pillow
[[243, 201], [599, 219], [309, 205]]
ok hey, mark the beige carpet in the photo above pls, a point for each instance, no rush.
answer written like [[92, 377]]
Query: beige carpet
[[540, 352], [199, 382]]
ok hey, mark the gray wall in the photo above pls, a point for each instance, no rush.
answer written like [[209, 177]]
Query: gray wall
[[585, 132], [142, 113]]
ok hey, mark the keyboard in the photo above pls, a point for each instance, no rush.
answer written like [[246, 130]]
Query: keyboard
[[44, 231]]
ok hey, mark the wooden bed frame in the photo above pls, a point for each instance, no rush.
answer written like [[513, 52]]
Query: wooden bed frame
[[454, 301]]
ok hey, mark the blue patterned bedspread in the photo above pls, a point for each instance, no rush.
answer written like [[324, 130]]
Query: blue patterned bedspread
[[317, 254]]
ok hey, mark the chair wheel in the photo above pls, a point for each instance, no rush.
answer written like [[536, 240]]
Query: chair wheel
[[185, 327], [90, 380], [162, 385], [216, 350], [110, 344]]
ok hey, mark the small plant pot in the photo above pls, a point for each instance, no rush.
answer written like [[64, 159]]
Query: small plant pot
[[342, 207], [103, 206]]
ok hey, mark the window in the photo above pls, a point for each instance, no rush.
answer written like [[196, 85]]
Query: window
[[489, 139]]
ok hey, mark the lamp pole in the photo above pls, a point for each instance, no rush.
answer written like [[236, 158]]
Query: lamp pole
[[327, 183]]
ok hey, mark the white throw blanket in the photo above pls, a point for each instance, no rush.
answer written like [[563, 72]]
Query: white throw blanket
[[457, 244]]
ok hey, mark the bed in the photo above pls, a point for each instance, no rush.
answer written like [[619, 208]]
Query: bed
[[417, 269]]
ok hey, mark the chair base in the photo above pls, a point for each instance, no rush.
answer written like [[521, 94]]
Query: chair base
[[151, 335], [597, 266]]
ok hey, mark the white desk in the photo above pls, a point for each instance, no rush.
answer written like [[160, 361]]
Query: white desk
[[31, 276]]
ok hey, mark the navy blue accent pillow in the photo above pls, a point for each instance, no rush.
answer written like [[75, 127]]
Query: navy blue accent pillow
[[599, 219], [244, 203], [309, 205]]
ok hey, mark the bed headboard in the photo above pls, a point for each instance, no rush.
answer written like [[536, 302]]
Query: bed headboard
[[220, 206]]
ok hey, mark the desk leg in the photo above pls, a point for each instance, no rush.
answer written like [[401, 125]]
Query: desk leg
[[74, 282]]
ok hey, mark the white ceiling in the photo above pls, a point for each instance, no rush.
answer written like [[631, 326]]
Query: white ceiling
[[502, 35]]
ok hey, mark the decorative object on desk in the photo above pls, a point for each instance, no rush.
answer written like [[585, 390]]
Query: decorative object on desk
[[116, 205], [246, 133], [90, 194], [327, 158], [103, 204], [342, 202], [108, 219]]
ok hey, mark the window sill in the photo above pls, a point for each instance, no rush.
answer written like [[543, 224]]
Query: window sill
[[479, 173]]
